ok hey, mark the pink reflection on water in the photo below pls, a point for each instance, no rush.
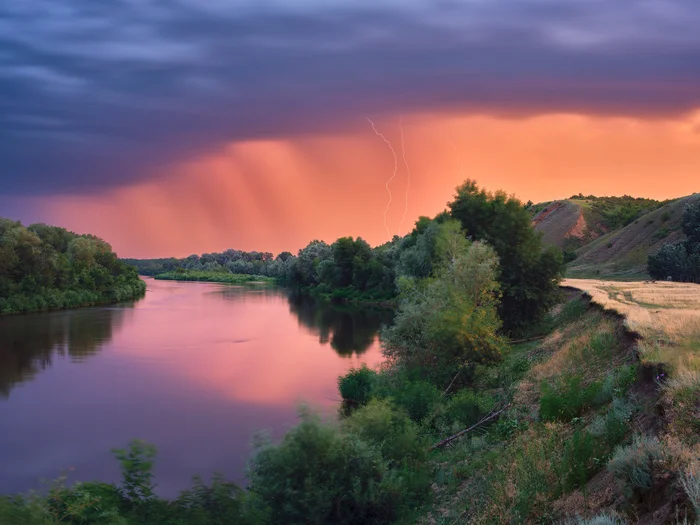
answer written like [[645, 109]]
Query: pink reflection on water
[[245, 348]]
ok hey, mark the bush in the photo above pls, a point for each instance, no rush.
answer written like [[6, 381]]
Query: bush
[[318, 474], [568, 399], [356, 386], [634, 465], [571, 311], [418, 398], [467, 407], [577, 462], [382, 425], [690, 480], [614, 425]]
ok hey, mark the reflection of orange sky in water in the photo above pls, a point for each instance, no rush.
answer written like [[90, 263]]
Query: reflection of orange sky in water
[[248, 349], [277, 195]]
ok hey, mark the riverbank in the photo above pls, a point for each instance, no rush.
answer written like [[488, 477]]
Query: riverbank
[[215, 277]]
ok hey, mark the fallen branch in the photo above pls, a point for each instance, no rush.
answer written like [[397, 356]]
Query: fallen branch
[[529, 340], [452, 382], [486, 418]]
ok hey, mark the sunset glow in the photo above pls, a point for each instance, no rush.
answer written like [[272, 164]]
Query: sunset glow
[[274, 195]]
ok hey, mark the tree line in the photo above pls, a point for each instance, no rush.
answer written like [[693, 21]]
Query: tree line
[[49, 268], [351, 270]]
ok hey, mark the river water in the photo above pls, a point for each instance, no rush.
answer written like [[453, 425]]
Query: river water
[[194, 368]]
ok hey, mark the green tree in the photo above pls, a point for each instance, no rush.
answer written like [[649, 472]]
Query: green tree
[[529, 274], [449, 322]]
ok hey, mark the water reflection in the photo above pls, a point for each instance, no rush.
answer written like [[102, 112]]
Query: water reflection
[[195, 368], [30, 343], [350, 330]]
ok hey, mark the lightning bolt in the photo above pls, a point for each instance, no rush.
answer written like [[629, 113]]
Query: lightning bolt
[[396, 167], [408, 171]]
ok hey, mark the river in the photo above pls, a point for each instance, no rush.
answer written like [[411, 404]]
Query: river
[[194, 368]]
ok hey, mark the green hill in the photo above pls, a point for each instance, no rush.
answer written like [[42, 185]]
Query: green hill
[[623, 253], [609, 237]]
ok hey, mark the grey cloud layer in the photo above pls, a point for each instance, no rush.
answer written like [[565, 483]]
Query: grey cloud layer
[[94, 94]]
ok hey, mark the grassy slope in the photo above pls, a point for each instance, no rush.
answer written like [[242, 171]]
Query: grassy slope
[[556, 220], [605, 250], [525, 469], [622, 254]]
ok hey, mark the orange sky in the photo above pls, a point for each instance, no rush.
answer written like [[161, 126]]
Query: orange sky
[[279, 194]]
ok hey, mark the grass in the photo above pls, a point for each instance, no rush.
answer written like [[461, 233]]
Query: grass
[[583, 399], [215, 277], [666, 316], [622, 253]]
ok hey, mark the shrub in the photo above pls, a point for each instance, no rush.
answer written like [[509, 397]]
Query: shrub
[[137, 479], [219, 503], [84, 503], [467, 407], [634, 465], [356, 386], [567, 399], [614, 425], [690, 480], [318, 474], [382, 425], [418, 398], [571, 311], [577, 462]]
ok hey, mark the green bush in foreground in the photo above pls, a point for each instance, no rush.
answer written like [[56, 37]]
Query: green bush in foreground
[[320, 474]]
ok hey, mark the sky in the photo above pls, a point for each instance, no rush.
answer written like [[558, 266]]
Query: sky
[[191, 126]]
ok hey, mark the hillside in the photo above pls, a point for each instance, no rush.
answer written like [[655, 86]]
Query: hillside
[[560, 222], [609, 237], [623, 253], [574, 222]]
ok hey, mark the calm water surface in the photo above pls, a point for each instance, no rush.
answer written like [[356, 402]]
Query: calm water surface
[[194, 368]]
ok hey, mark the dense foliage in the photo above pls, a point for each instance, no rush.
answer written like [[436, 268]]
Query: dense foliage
[[529, 273], [612, 213], [448, 321], [680, 261], [48, 268], [215, 277], [229, 261], [348, 269], [351, 270]]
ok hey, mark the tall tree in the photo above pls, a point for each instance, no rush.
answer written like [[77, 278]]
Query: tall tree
[[529, 273]]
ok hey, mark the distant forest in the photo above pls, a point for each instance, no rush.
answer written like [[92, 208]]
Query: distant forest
[[351, 270], [48, 268]]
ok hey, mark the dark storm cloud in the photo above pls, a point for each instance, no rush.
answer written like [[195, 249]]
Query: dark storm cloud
[[94, 94]]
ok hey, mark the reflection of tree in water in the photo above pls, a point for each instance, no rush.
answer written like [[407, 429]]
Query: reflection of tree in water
[[28, 343], [348, 329]]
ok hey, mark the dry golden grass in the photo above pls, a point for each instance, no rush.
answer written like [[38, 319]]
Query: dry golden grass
[[666, 315]]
